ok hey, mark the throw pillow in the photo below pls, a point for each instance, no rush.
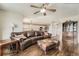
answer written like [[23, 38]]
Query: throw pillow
[[18, 37]]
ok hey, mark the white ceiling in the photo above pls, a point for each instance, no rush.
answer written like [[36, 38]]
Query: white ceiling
[[62, 10]]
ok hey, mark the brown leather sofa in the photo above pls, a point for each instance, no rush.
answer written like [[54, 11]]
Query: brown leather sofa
[[30, 39]]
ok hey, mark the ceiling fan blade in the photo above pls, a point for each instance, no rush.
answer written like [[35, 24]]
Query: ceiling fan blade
[[35, 6], [53, 10], [36, 12], [44, 5]]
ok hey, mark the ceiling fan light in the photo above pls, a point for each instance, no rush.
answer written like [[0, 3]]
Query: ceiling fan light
[[43, 10]]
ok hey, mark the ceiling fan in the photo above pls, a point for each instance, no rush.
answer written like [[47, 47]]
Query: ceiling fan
[[43, 8]]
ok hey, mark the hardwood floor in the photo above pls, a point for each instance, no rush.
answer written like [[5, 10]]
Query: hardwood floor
[[36, 51]]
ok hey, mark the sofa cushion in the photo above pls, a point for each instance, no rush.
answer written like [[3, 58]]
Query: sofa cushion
[[34, 38], [13, 34], [30, 34], [25, 33], [19, 37], [40, 37], [39, 33], [26, 43], [46, 33]]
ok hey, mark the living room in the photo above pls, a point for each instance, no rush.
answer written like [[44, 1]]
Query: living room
[[24, 17]]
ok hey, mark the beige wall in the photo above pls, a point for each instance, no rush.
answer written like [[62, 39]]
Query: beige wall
[[0, 30], [9, 18], [1, 18]]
